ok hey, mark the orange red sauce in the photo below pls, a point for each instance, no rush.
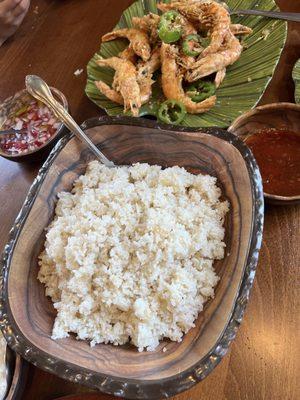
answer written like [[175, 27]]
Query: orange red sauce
[[277, 153]]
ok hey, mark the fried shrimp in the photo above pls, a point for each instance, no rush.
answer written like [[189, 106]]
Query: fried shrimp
[[208, 15], [138, 39], [125, 82], [196, 39], [218, 61], [110, 93], [172, 83], [145, 72], [149, 24]]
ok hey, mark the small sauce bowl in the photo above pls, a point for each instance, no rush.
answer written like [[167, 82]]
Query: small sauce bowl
[[20, 102], [281, 117]]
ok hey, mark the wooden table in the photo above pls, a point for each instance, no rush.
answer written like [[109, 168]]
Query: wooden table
[[58, 37]]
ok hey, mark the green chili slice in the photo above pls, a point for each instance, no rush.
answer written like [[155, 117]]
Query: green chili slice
[[170, 27], [171, 112], [201, 90], [191, 45]]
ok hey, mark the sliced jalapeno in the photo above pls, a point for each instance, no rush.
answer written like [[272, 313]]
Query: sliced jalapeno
[[170, 27], [171, 112], [201, 90], [193, 45]]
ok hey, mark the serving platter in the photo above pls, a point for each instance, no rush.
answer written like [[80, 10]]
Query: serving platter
[[27, 316], [245, 82]]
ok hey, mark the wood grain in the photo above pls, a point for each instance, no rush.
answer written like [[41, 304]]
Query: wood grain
[[263, 362]]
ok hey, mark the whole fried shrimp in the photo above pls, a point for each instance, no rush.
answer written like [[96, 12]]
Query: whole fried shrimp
[[125, 82]]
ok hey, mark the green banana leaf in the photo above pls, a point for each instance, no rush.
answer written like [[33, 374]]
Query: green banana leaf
[[245, 80], [296, 77]]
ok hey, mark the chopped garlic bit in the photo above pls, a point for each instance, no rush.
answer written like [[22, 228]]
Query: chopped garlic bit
[[78, 72], [265, 33]]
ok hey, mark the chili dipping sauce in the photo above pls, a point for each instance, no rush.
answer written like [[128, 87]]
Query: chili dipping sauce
[[277, 153]]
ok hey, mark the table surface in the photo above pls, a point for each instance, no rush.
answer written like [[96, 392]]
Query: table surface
[[58, 37]]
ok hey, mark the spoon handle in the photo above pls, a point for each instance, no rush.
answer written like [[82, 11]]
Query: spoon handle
[[40, 90], [288, 16]]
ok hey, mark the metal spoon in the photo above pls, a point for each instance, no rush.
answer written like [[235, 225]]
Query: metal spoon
[[288, 16], [40, 90]]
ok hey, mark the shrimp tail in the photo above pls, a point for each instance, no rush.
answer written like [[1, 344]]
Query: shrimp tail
[[220, 75]]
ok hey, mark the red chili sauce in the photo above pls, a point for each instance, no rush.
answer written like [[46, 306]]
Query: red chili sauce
[[277, 153]]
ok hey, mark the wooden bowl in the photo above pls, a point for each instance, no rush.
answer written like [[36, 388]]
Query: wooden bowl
[[27, 315], [276, 115], [19, 377]]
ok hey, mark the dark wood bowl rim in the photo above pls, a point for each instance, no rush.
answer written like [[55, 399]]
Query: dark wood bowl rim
[[113, 385], [275, 199]]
